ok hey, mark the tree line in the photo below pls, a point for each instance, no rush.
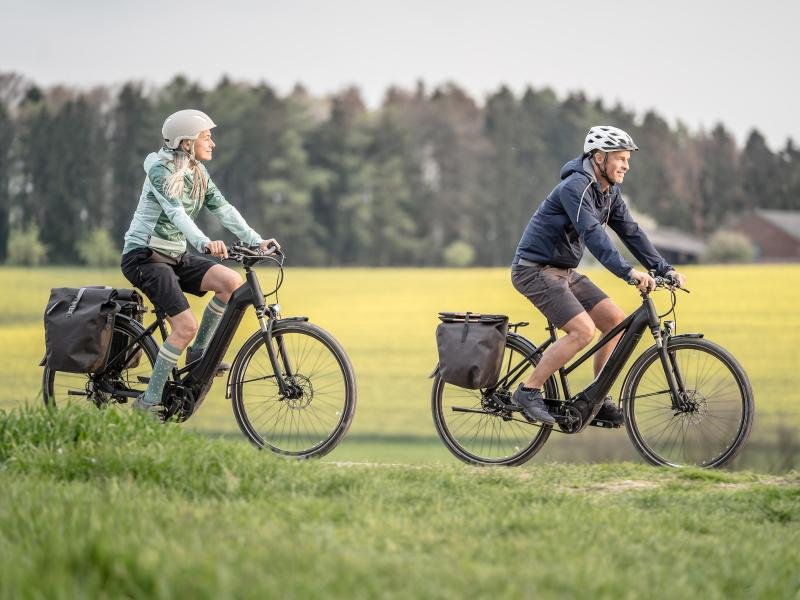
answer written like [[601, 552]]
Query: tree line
[[430, 177]]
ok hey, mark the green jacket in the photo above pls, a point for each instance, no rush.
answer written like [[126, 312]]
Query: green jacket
[[173, 219]]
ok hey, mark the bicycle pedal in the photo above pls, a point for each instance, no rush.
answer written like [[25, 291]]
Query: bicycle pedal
[[605, 424]]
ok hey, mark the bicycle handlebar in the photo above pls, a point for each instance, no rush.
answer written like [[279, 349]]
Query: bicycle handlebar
[[252, 255], [663, 281]]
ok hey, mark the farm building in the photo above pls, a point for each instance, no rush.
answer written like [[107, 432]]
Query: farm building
[[774, 233], [676, 246]]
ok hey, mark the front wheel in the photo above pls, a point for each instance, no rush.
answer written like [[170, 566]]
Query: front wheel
[[711, 420], [313, 417]]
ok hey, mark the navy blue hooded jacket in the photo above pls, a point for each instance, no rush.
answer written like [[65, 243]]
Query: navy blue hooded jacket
[[572, 218]]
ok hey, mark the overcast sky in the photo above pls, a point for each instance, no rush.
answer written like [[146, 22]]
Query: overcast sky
[[698, 61]]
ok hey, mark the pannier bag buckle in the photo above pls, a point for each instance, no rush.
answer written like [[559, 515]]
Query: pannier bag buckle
[[74, 303]]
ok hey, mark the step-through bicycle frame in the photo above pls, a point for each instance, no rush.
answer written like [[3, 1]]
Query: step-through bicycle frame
[[199, 374], [633, 326]]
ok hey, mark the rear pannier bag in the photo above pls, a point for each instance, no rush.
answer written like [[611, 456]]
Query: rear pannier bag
[[130, 304], [471, 348], [78, 327]]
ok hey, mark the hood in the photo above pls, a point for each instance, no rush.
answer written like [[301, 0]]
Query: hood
[[578, 165], [152, 158]]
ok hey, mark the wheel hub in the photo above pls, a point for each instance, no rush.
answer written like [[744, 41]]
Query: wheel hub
[[694, 406], [497, 403], [299, 392]]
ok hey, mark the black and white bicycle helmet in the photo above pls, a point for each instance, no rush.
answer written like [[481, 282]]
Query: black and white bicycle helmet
[[608, 139]]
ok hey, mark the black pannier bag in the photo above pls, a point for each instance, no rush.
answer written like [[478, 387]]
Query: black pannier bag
[[78, 327], [471, 348], [130, 304]]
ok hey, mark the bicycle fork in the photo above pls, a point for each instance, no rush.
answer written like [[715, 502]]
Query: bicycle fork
[[282, 375], [672, 371]]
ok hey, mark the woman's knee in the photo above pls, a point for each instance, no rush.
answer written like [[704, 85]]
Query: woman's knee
[[232, 282], [184, 325]]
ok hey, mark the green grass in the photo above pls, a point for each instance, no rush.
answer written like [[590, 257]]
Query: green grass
[[385, 318], [99, 504]]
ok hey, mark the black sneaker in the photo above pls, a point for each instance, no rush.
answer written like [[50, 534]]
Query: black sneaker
[[193, 355], [532, 405], [610, 413]]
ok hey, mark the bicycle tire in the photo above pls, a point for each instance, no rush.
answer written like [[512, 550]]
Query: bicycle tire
[[60, 388], [306, 427], [510, 443], [714, 431]]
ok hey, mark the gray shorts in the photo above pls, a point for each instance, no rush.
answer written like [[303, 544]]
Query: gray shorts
[[560, 294]]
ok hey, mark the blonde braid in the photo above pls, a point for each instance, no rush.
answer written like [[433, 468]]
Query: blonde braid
[[186, 162]]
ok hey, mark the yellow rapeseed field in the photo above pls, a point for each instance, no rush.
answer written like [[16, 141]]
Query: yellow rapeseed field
[[385, 319]]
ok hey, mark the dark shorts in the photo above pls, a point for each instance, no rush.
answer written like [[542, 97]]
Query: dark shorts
[[560, 294], [164, 283]]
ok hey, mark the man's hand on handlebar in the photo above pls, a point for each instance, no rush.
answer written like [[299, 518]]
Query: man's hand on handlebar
[[217, 248], [679, 279], [642, 281]]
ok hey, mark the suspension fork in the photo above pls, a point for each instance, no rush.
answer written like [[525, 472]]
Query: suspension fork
[[672, 372], [267, 322]]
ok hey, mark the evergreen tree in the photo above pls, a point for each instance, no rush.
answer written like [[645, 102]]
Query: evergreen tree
[[135, 132], [720, 182], [761, 176], [6, 138]]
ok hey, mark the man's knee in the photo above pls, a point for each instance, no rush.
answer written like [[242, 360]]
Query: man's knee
[[581, 329], [607, 315]]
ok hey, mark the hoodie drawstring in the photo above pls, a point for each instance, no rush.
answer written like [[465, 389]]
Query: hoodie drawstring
[[580, 204]]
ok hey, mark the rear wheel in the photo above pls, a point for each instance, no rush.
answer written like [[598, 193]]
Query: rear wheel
[[315, 414], [708, 425], [123, 375], [477, 427]]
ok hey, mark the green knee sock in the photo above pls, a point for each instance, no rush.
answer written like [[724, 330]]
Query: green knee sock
[[168, 357], [208, 324]]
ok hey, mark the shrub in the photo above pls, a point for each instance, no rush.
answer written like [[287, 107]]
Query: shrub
[[25, 248], [729, 247], [97, 249], [459, 254]]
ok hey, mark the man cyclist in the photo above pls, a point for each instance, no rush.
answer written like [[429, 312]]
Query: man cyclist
[[177, 186], [573, 217]]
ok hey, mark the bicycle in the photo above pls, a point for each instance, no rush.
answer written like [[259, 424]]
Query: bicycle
[[686, 401], [291, 385]]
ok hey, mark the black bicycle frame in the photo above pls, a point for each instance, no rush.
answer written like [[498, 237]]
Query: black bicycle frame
[[203, 370], [633, 326]]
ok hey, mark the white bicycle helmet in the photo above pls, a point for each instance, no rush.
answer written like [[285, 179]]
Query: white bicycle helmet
[[184, 125], [608, 139]]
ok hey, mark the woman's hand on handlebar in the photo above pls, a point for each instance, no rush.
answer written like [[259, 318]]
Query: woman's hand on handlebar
[[679, 279], [217, 248], [269, 246]]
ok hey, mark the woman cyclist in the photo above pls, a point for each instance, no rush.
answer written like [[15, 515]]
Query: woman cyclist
[[154, 258]]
